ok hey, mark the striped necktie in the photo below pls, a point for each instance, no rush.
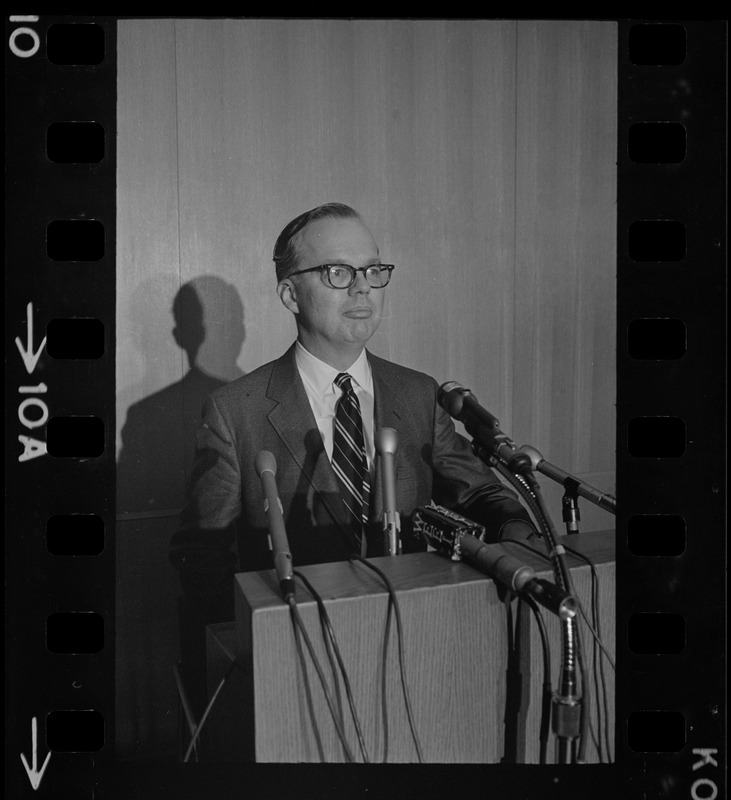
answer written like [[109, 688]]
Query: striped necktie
[[349, 457]]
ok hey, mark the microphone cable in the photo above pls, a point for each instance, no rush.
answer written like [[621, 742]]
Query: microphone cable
[[572, 655], [300, 629], [384, 678], [294, 618], [543, 519], [586, 699], [599, 675], [513, 685], [525, 491], [404, 683], [516, 682], [594, 627], [331, 645], [545, 724], [580, 605], [328, 649]]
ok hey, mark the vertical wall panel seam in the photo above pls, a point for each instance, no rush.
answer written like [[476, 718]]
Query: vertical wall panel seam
[[177, 174], [513, 349]]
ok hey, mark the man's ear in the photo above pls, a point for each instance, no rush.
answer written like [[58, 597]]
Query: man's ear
[[288, 295]]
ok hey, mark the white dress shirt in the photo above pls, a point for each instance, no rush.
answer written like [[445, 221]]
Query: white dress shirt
[[318, 378]]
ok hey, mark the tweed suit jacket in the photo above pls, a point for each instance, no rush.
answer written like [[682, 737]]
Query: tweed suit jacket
[[268, 409]]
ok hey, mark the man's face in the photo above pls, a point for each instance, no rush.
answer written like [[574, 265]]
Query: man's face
[[334, 322]]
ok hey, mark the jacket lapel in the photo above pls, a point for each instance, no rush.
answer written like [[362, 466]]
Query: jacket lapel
[[295, 424]]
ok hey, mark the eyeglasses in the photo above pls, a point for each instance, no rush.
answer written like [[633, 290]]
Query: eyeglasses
[[342, 276]]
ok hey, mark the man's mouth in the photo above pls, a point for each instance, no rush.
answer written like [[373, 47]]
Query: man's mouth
[[362, 312]]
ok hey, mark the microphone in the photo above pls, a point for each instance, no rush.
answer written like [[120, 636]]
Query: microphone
[[496, 562], [457, 537], [266, 467], [386, 442], [461, 404]]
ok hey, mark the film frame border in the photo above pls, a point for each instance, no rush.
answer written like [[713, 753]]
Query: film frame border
[[676, 404], [57, 701], [38, 95]]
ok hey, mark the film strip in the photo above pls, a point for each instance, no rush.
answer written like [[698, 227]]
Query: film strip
[[60, 227], [61, 88], [668, 532]]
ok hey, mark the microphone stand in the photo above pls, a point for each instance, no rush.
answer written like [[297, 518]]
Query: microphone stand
[[569, 718], [572, 484], [570, 506], [573, 487]]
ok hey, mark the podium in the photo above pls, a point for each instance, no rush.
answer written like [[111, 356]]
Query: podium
[[450, 661]]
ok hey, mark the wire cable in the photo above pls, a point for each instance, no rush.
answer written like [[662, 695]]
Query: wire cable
[[328, 652], [330, 639], [595, 731], [522, 485], [586, 699], [545, 724], [297, 619], [594, 630], [537, 504], [596, 633], [404, 683], [603, 704], [513, 686], [305, 678], [384, 677], [570, 640]]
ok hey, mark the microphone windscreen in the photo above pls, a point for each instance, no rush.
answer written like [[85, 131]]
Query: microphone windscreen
[[450, 397], [265, 462], [386, 441]]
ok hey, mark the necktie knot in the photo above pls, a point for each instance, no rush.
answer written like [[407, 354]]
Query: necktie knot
[[344, 382]]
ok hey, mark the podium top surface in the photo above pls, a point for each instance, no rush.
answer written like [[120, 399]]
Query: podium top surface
[[411, 572]]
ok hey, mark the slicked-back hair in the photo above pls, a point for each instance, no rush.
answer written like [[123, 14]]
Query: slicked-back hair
[[286, 255]]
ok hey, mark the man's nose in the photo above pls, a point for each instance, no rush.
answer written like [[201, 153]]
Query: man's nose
[[360, 284]]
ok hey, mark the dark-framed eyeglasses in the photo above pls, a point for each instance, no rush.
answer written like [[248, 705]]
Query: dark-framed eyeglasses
[[342, 276]]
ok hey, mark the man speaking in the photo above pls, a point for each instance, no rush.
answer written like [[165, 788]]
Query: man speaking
[[317, 409]]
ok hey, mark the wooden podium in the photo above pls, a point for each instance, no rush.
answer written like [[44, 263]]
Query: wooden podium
[[455, 654]]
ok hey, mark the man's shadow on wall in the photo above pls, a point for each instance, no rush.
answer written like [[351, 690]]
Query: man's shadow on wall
[[158, 436], [155, 459]]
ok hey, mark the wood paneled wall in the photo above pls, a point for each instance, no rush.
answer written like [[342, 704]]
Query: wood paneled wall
[[482, 156]]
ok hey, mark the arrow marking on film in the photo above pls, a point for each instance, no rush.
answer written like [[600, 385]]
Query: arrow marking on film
[[33, 774], [30, 358]]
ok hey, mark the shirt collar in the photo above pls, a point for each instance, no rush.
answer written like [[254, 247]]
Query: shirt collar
[[320, 376]]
